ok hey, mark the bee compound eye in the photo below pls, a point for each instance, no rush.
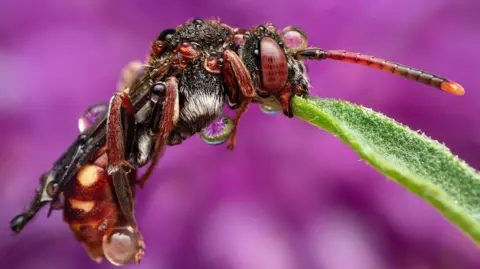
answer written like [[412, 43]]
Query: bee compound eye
[[121, 246], [273, 64]]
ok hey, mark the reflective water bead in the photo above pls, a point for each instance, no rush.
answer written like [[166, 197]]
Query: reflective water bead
[[271, 28], [91, 115], [294, 38], [269, 110], [218, 131], [121, 246]]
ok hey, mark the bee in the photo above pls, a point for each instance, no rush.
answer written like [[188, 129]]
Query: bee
[[181, 89]]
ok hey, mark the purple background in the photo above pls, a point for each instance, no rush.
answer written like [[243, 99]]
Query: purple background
[[290, 196]]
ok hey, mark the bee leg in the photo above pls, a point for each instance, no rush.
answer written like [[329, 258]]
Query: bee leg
[[237, 79], [164, 120], [119, 148], [285, 98], [120, 138], [123, 243]]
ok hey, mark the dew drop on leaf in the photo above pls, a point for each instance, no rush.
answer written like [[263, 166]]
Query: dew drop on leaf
[[218, 131], [91, 115]]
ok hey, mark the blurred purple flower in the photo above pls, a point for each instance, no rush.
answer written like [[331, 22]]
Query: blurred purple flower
[[289, 196]]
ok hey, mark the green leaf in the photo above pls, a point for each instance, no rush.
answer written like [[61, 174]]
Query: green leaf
[[422, 165]]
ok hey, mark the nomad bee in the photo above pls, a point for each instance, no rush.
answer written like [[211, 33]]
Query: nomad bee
[[181, 89]]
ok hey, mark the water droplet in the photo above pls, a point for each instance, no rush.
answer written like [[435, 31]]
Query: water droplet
[[121, 245], [239, 39], [217, 132], [294, 38], [269, 110], [91, 115]]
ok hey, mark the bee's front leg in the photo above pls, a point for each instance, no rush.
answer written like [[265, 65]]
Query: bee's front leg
[[240, 89], [121, 132], [120, 140]]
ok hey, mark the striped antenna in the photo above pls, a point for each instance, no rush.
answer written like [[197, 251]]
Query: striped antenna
[[382, 64]]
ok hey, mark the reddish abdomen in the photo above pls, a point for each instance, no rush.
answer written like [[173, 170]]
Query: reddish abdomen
[[274, 65], [90, 208]]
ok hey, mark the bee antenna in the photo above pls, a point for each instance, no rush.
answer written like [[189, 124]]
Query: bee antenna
[[382, 64]]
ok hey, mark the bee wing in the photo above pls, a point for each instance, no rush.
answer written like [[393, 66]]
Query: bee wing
[[78, 154]]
